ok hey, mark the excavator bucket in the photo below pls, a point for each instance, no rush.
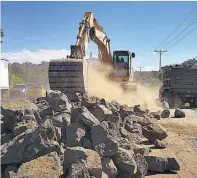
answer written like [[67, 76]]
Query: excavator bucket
[[68, 75]]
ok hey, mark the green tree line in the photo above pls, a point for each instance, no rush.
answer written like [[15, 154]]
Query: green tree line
[[38, 73], [28, 73]]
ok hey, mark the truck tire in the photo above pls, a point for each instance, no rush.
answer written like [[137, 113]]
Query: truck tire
[[167, 96], [176, 100], [194, 103], [173, 99]]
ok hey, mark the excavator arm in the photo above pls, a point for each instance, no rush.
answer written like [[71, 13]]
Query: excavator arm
[[89, 29]]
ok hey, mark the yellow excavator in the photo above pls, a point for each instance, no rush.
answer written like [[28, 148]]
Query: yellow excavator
[[69, 75]]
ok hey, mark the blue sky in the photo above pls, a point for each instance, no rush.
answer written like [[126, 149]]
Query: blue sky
[[135, 26]]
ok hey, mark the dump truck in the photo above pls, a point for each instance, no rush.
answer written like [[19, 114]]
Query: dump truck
[[179, 85]]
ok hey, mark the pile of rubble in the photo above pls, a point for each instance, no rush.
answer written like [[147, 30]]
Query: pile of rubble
[[85, 138], [190, 63]]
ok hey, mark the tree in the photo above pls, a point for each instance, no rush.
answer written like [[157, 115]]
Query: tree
[[15, 80], [2, 35], [17, 69]]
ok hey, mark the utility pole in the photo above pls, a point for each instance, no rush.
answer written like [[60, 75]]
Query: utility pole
[[141, 72], [90, 55], [160, 52]]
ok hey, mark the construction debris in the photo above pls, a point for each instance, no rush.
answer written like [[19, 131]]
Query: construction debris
[[178, 113], [159, 164], [160, 144], [88, 137], [165, 113], [190, 63]]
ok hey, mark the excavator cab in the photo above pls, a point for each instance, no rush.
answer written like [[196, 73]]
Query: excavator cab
[[122, 63], [123, 70]]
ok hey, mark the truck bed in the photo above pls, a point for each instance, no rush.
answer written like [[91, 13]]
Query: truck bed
[[181, 79]]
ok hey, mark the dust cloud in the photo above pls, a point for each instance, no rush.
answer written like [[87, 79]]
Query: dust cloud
[[100, 86]]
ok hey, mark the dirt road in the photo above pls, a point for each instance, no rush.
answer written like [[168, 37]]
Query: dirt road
[[7, 100], [182, 144]]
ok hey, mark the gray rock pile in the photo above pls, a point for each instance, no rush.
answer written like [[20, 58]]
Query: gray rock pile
[[178, 113], [87, 137], [190, 63]]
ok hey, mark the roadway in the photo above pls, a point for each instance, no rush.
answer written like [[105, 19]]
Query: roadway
[[7, 100]]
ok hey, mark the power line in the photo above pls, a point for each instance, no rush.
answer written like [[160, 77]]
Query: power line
[[182, 38], [177, 27], [180, 33]]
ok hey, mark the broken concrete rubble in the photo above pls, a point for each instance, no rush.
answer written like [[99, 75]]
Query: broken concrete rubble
[[61, 119], [156, 115], [9, 119], [30, 144], [21, 127], [160, 144], [125, 162], [91, 158], [51, 163], [102, 142], [142, 166], [87, 118], [153, 132], [143, 121], [10, 171], [109, 167], [78, 169], [89, 102], [125, 111], [159, 164], [165, 113], [88, 137], [75, 134], [58, 101], [101, 112], [179, 113]]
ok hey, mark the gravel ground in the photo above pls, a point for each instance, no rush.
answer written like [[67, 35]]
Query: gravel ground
[[182, 144], [7, 100]]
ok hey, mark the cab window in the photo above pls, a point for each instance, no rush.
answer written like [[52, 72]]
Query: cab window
[[121, 58]]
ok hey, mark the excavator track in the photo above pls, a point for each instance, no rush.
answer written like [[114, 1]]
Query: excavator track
[[67, 75]]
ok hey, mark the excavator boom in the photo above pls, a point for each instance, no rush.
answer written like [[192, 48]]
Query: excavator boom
[[90, 29]]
